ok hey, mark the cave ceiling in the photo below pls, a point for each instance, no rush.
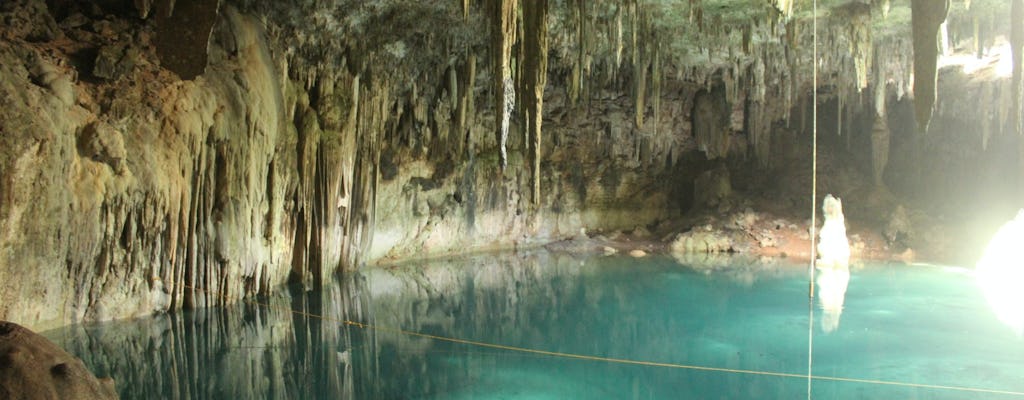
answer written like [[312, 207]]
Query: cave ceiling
[[688, 33]]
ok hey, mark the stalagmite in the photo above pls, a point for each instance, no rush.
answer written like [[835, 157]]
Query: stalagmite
[[926, 15], [536, 70]]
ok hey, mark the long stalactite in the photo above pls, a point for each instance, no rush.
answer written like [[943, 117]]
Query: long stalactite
[[1016, 48], [536, 70], [503, 35], [927, 16]]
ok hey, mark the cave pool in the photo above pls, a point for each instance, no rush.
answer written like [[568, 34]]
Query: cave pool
[[731, 330]]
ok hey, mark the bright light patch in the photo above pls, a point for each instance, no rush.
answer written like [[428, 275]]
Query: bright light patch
[[996, 60], [1000, 273]]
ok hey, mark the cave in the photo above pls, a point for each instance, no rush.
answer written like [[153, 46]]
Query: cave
[[320, 197]]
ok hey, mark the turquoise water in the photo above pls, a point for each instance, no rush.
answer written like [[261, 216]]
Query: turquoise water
[[748, 323]]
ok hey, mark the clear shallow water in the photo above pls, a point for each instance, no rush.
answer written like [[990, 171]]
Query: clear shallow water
[[898, 323]]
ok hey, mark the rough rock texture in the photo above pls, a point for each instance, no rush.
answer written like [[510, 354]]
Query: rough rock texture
[[34, 368], [291, 141]]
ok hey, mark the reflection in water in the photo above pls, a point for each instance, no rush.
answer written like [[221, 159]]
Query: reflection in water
[[612, 307], [746, 318], [241, 352], [832, 283]]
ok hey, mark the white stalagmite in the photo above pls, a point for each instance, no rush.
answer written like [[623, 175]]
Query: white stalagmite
[[833, 246]]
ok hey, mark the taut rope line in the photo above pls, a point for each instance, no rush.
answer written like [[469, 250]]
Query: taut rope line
[[814, 200], [626, 361]]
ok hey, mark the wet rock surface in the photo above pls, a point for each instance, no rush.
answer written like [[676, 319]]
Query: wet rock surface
[[34, 368]]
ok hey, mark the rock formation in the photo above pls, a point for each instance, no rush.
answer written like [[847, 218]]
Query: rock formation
[[165, 155], [32, 367], [833, 246]]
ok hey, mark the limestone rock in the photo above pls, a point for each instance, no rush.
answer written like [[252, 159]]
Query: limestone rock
[[113, 61], [899, 231], [51, 77], [28, 20], [704, 239], [712, 188], [34, 368], [101, 142]]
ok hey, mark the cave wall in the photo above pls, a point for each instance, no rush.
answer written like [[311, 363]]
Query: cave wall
[[130, 189], [319, 138]]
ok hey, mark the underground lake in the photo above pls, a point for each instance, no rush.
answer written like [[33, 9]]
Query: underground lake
[[547, 325]]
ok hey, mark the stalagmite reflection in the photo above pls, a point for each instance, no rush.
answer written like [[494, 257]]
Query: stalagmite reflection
[[832, 283]]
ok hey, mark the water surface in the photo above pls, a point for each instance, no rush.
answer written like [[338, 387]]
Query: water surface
[[738, 331]]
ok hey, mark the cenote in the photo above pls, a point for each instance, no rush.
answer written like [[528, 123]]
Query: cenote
[[545, 325]]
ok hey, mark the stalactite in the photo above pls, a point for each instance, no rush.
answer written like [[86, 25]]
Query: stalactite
[[536, 60], [618, 37], [634, 27], [879, 147], [860, 41], [986, 116], [453, 87], [639, 67], [1016, 48], [1017, 53], [656, 86], [468, 92], [976, 24], [503, 29], [465, 102], [926, 16], [639, 91], [839, 115], [879, 83]]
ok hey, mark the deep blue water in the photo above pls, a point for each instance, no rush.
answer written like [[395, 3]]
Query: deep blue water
[[901, 324]]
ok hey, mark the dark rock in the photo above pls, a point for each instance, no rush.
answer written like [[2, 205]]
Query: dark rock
[[29, 20], [899, 232], [183, 32], [712, 188], [32, 367], [114, 61]]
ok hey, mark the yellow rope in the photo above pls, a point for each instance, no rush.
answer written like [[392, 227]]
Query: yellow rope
[[626, 361], [667, 365], [814, 201]]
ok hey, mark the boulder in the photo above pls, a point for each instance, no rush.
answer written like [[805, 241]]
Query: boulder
[[32, 367], [704, 239]]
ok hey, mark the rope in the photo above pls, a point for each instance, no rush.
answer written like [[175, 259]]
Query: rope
[[814, 200], [665, 364], [625, 361]]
